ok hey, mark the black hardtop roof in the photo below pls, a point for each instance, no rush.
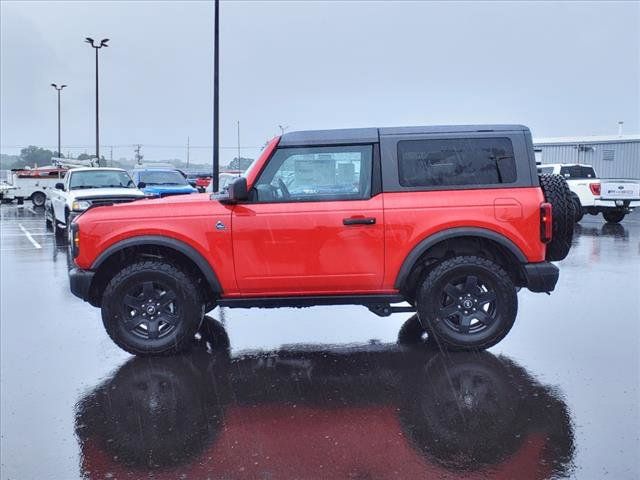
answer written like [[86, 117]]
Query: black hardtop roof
[[369, 135]]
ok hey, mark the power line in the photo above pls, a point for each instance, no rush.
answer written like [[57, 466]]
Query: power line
[[129, 145]]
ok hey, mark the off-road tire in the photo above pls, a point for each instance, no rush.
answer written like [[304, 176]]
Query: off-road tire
[[188, 308], [412, 332], [557, 193], [579, 212], [38, 199], [456, 330], [214, 335], [48, 222], [613, 216]]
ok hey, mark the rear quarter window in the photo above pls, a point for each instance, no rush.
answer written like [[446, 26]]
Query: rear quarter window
[[459, 161]]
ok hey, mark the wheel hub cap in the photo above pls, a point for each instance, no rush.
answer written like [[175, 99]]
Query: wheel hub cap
[[151, 309]]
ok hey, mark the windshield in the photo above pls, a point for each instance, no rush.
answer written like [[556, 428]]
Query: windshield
[[162, 177], [100, 179]]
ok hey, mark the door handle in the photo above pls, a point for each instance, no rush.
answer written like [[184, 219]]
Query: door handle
[[359, 221]]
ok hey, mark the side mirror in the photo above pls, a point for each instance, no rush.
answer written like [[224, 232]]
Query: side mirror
[[59, 186], [237, 190], [142, 185]]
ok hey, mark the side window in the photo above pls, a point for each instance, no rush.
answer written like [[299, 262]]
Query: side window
[[460, 161], [316, 174]]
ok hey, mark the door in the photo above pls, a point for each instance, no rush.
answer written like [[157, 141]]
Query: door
[[314, 225]]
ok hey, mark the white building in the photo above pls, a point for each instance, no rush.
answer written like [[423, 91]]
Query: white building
[[612, 156]]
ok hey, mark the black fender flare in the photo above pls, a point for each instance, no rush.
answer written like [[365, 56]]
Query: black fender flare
[[178, 245], [417, 251]]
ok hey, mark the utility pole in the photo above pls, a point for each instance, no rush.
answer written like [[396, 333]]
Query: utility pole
[[187, 152], [216, 87], [283, 128], [138, 155], [239, 168]]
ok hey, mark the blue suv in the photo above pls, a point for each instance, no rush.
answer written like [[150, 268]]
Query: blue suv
[[161, 182]]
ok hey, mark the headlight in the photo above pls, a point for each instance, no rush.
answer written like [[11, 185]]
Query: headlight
[[80, 205]]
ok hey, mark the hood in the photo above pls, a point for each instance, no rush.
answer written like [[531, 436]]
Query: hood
[[168, 189], [106, 193], [177, 205]]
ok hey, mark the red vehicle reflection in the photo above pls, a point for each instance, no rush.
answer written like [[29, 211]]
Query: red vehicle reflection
[[376, 411]]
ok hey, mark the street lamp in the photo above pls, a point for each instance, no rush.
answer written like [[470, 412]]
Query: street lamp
[[103, 43], [215, 180], [59, 89]]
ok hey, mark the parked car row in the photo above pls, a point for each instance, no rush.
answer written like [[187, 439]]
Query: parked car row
[[84, 188], [35, 184]]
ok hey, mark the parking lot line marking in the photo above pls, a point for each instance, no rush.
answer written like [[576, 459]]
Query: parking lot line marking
[[26, 232], [33, 234]]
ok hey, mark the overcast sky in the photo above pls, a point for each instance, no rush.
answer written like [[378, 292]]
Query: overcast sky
[[560, 68]]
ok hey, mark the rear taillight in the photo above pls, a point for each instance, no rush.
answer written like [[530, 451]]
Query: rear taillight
[[546, 216], [595, 188]]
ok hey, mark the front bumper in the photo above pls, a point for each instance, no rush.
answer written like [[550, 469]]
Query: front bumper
[[541, 277], [80, 282]]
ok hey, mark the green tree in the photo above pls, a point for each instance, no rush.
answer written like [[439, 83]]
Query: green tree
[[35, 156]]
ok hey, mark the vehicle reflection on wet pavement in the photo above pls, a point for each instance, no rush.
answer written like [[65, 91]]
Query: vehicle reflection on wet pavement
[[373, 411], [327, 392]]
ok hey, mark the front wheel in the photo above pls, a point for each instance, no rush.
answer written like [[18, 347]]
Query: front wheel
[[152, 308], [467, 303], [613, 216]]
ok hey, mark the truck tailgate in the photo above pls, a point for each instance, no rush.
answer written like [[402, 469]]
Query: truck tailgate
[[620, 190]]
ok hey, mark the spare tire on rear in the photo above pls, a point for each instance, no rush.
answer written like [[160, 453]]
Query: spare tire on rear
[[557, 193]]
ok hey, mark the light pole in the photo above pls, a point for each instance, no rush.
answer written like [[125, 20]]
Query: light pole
[[59, 89], [216, 87], [103, 43]]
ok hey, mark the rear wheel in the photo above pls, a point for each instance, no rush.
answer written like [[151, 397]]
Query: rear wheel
[[467, 303], [38, 199], [579, 213], [152, 308], [557, 193], [613, 216]]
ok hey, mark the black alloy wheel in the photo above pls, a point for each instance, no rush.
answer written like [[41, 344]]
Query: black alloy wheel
[[150, 310], [467, 303]]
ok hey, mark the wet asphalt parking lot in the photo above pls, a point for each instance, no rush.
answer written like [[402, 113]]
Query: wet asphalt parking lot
[[326, 392]]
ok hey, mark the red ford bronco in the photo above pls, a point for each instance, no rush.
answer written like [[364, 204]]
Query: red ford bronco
[[452, 220]]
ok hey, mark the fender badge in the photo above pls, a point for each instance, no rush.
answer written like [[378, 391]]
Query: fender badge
[[220, 225]]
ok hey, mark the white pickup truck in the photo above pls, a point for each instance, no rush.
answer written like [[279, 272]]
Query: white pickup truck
[[611, 197], [86, 187]]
